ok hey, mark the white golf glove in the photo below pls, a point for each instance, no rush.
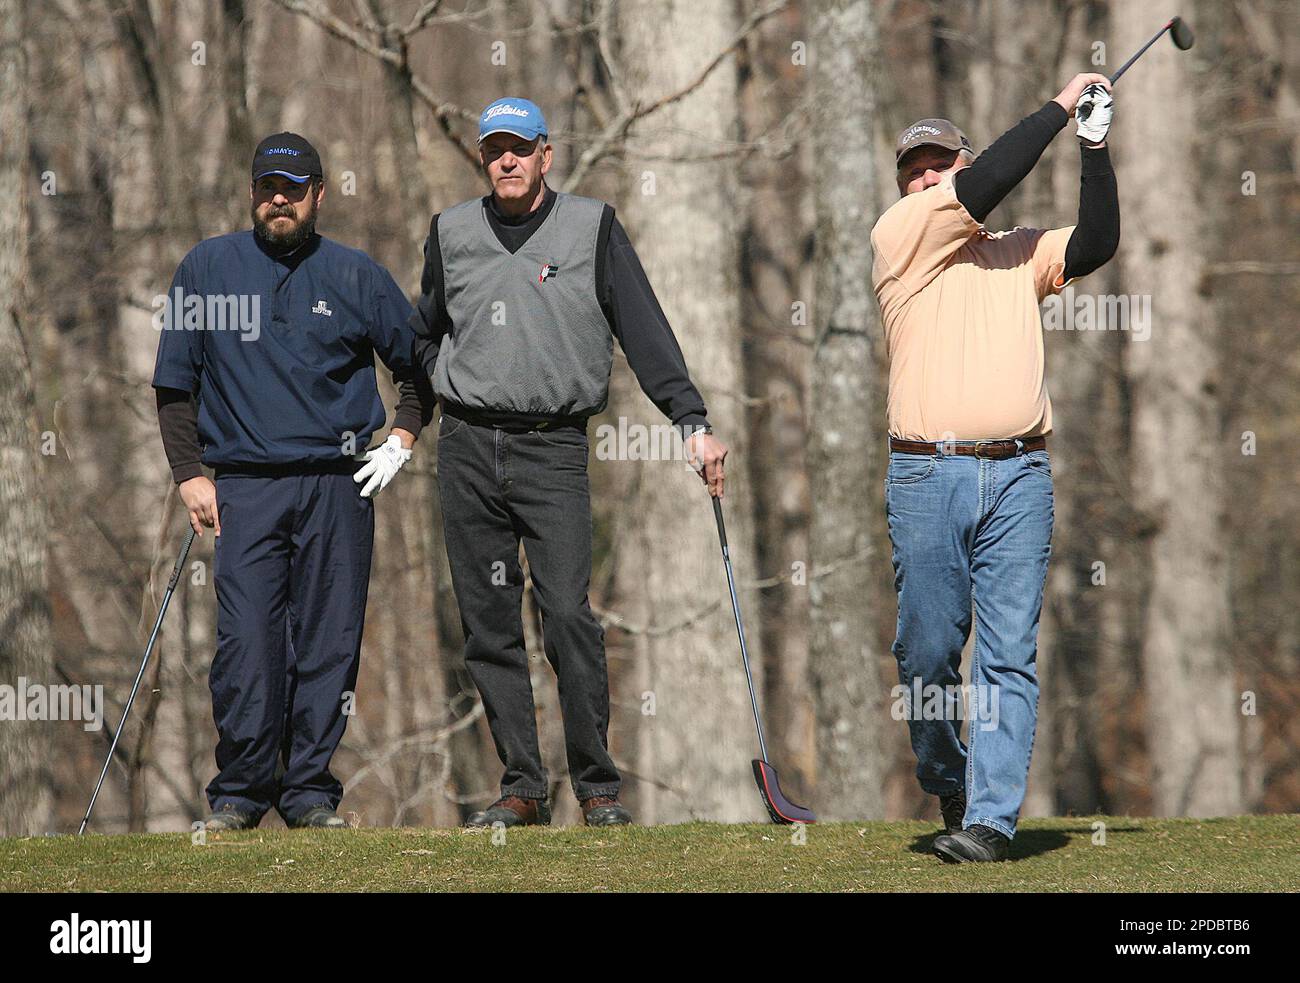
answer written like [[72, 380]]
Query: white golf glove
[[1093, 113], [381, 464]]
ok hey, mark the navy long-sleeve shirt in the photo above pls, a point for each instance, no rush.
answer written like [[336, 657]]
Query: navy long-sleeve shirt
[[277, 351]]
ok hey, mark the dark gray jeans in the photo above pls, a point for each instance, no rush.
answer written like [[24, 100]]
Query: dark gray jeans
[[501, 487]]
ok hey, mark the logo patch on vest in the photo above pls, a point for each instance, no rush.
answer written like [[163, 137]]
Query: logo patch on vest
[[320, 308], [548, 271]]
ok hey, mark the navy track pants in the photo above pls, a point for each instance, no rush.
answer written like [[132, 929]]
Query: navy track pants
[[292, 572]]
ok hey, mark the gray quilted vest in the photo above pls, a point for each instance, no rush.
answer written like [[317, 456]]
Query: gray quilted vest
[[527, 332]]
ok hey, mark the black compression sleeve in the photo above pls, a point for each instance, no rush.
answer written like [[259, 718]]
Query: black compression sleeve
[[982, 185], [413, 411], [178, 423], [639, 324], [430, 321], [1096, 236]]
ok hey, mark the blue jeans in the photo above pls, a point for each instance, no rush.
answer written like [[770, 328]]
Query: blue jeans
[[970, 533]]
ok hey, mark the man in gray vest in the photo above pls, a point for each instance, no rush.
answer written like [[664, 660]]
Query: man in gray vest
[[523, 293]]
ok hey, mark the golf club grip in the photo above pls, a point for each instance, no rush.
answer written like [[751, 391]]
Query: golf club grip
[[180, 561], [722, 528]]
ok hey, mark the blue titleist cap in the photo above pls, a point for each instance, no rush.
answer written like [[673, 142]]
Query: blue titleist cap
[[512, 115]]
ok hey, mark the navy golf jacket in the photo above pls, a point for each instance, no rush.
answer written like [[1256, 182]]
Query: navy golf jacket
[[280, 350]]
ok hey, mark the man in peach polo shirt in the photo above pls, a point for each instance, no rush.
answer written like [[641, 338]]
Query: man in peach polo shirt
[[969, 486]]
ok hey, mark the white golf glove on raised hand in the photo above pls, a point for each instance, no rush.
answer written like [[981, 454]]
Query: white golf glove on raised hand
[[1093, 113], [381, 464]]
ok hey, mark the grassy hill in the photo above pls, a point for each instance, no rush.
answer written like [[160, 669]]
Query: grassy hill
[[1247, 853]]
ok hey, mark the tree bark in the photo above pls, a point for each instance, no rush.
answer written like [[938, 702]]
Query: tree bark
[[1193, 721], [846, 427], [681, 215], [26, 795], [776, 278], [1064, 766]]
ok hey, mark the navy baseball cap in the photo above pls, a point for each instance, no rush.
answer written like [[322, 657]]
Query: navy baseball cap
[[512, 115], [288, 155]]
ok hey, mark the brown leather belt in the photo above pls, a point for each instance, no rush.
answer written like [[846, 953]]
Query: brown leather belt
[[996, 450]]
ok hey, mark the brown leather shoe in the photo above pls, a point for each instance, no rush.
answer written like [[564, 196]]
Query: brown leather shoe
[[510, 810], [604, 810]]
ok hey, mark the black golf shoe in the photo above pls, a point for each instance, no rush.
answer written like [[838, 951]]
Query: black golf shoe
[[228, 818], [973, 845], [953, 809], [510, 810], [320, 817], [605, 810]]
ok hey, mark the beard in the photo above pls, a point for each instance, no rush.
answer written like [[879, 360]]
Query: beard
[[289, 240]]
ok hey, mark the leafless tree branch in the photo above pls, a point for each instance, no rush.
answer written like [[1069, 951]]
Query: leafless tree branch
[[630, 112]]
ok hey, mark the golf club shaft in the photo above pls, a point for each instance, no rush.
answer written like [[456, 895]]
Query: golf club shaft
[[1125, 67], [740, 628], [157, 625]]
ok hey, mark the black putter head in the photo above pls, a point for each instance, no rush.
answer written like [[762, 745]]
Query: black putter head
[[1181, 34], [781, 809]]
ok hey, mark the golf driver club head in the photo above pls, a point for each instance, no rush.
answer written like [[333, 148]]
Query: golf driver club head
[[1181, 34], [781, 809]]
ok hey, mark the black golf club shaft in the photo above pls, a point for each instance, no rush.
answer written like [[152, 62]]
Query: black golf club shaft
[[162, 611], [1182, 38], [1125, 67], [740, 628]]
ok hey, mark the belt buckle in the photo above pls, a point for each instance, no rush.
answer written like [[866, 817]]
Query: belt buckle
[[983, 443]]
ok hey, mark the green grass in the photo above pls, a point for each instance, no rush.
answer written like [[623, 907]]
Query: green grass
[[1247, 853]]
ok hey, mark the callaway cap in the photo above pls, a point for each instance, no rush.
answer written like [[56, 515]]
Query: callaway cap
[[286, 154], [512, 115], [931, 132]]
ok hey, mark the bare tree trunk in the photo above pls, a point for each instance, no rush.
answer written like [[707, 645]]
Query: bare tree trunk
[[399, 101], [1025, 44], [846, 428], [777, 291], [230, 24], [681, 216], [1193, 722], [25, 787], [169, 94], [1064, 748]]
